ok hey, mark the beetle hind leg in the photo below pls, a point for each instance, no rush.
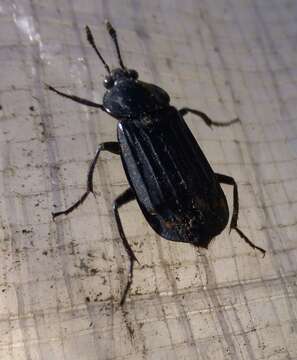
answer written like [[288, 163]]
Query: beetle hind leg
[[224, 179], [124, 198]]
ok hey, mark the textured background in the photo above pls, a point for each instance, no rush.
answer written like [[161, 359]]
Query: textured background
[[60, 283]]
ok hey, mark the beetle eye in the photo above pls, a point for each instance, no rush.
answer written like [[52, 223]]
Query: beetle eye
[[133, 74], [108, 82]]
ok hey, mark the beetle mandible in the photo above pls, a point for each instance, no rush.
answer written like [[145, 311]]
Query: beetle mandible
[[169, 176]]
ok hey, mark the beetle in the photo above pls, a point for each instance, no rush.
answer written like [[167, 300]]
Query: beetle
[[169, 176]]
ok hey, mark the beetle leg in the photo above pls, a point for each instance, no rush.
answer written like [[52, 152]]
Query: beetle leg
[[124, 198], [76, 98], [112, 147], [205, 118], [224, 179]]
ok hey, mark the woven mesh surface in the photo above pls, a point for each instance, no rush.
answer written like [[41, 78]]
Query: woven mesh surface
[[60, 282]]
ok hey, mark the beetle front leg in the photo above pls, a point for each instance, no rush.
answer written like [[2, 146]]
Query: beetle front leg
[[224, 179], [124, 198], [76, 98], [112, 147], [205, 118]]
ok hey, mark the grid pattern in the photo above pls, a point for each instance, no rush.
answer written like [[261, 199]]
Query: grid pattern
[[60, 282]]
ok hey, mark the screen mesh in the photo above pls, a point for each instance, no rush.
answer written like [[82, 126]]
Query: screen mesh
[[61, 282]]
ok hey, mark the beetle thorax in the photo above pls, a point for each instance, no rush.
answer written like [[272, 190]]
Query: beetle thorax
[[126, 96]]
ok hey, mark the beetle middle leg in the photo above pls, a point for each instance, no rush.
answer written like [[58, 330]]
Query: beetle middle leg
[[205, 118], [224, 179], [127, 196], [112, 147]]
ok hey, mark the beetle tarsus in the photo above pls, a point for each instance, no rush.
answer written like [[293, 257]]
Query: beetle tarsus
[[72, 207], [129, 283], [206, 118], [248, 241], [225, 179]]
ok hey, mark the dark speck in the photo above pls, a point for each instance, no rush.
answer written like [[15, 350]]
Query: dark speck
[[31, 108], [130, 329], [94, 271], [25, 231]]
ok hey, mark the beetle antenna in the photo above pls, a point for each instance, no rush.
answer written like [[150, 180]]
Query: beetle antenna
[[113, 35], [92, 42]]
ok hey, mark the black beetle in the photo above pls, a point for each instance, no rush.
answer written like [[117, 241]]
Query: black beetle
[[169, 176]]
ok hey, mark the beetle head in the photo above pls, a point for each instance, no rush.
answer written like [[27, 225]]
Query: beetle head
[[119, 75]]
